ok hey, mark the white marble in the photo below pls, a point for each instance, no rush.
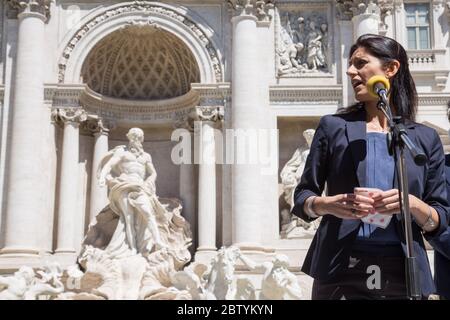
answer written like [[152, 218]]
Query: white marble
[[26, 284], [138, 241], [234, 55], [99, 194], [25, 199], [67, 210], [249, 183], [207, 120]]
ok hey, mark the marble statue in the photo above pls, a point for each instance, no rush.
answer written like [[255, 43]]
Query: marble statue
[[245, 290], [138, 237], [130, 176], [278, 282], [290, 177], [111, 278], [26, 284], [293, 169], [192, 279], [220, 278]]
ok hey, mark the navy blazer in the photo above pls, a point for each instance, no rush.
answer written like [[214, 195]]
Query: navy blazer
[[441, 247], [338, 158]]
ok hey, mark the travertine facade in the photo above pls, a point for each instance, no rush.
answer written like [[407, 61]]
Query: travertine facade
[[77, 75]]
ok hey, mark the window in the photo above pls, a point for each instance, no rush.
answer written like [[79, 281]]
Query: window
[[418, 25]]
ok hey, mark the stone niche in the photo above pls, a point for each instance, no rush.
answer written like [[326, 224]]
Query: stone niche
[[292, 142], [303, 41]]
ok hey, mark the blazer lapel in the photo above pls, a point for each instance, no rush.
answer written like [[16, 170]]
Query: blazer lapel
[[356, 135]]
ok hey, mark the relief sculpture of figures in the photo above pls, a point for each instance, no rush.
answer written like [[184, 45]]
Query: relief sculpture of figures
[[316, 57], [302, 46]]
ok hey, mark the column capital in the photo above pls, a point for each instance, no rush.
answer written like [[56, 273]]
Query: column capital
[[95, 125], [398, 6], [256, 8], [27, 7], [69, 115], [214, 114], [347, 9], [208, 113]]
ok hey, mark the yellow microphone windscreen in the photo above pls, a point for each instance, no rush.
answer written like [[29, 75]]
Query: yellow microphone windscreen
[[373, 81]]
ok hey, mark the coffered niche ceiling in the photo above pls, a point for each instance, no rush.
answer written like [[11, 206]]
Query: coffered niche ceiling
[[140, 63]]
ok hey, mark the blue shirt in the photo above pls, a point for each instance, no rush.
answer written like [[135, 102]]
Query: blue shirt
[[380, 174]]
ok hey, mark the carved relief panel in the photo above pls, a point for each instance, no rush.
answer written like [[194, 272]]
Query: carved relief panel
[[303, 40]]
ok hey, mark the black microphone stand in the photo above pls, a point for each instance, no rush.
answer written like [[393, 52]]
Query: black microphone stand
[[398, 141]]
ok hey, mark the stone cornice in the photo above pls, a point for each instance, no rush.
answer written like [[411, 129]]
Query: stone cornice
[[31, 7], [433, 99], [261, 9], [285, 95], [209, 95], [112, 110]]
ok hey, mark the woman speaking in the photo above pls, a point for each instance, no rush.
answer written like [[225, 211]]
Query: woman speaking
[[350, 257]]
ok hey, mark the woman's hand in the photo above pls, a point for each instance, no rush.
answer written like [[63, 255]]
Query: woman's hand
[[388, 202], [344, 206]]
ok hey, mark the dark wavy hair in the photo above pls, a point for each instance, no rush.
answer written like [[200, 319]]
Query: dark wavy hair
[[403, 95]]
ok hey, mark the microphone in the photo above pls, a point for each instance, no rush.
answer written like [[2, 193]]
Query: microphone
[[378, 87]]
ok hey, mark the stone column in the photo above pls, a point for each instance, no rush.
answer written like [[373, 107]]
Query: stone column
[[68, 189], [207, 118], [26, 195], [365, 15], [344, 16], [249, 111], [366, 18], [400, 23], [99, 195], [188, 182]]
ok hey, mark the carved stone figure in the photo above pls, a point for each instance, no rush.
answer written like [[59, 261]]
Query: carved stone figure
[[278, 282], [244, 289], [27, 285], [220, 278], [293, 169], [315, 57], [301, 46], [130, 176], [290, 177], [138, 237]]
